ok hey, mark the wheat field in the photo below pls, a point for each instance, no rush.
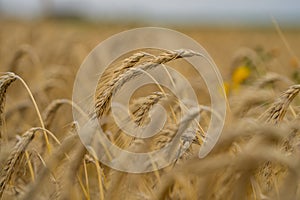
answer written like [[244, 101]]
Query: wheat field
[[42, 156]]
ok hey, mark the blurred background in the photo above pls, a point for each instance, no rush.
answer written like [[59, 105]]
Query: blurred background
[[176, 12]]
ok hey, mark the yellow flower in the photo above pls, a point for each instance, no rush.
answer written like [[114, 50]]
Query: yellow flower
[[240, 74]]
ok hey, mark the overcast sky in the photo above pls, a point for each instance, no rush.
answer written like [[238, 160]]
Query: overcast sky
[[164, 11]]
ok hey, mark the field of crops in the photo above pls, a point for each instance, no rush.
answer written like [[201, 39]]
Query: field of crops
[[42, 156]]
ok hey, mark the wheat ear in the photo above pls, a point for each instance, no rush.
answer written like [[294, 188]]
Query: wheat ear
[[125, 66], [141, 112], [277, 111], [105, 96], [14, 158], [112, 73], [5, 81]]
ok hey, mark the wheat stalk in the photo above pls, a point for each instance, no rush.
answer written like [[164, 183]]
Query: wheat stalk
[[51, 109], [5, 81], [36, 109], [72, 170]]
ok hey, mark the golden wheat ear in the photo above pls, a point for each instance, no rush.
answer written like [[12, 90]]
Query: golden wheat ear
[[110, 79], [142, 109], [103, 98], [112, 74], [279, 108], [14, 157], [5, 82]]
